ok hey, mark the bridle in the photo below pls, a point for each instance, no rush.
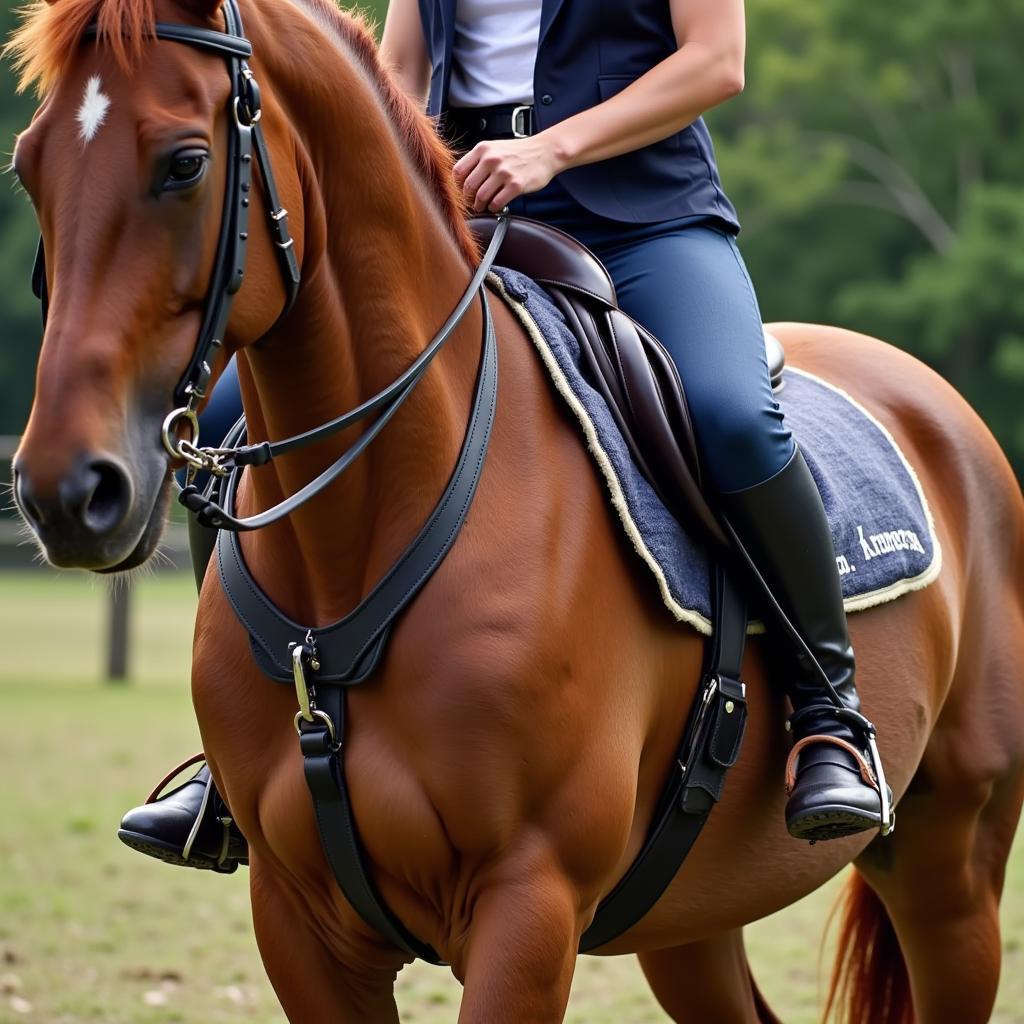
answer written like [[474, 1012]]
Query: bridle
[[245, 138], [246, 142]]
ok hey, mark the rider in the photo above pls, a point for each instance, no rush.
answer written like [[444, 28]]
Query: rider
[[587, 116]]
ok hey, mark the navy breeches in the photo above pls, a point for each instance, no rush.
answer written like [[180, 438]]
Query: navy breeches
[[686, 282]]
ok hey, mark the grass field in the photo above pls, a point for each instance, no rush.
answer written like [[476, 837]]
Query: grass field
[[92, 932]]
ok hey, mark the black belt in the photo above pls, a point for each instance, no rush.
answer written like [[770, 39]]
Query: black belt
[[464, 127]]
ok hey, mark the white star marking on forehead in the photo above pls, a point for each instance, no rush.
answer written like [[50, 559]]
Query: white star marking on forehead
[[93, 111]]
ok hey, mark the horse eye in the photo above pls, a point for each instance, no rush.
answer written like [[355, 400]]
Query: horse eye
[[186, 169]]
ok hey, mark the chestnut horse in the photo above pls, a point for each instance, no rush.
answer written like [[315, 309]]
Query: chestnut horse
[[505, 760]]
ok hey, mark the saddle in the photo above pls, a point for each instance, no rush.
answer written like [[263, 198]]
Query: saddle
[[624, 362]]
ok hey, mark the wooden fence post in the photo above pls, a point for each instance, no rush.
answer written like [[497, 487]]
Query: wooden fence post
[[117, 634]]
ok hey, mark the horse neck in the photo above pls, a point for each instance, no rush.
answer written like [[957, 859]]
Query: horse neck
[[381, 273]]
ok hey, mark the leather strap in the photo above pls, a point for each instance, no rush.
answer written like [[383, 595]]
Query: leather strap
[[343, 646], [218, 515], [341, 651], [710, 746], [323, 764], [236, 46]]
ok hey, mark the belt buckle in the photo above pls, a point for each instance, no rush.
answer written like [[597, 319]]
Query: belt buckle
[[517, 113]]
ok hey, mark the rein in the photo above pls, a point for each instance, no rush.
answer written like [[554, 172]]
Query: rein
[[221, 462]]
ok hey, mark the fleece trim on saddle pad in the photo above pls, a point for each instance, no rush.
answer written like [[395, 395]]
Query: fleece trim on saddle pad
[[881, 524]]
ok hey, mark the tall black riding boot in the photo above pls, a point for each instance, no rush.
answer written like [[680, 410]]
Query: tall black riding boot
[[191, 825], [831, 774]]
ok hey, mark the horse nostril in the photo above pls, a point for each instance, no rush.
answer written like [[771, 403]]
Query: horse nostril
[[104, 501]]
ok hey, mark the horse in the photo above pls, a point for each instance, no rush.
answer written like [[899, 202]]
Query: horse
[[505, 760]]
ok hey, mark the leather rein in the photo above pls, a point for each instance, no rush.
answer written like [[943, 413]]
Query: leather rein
[[246, 142]]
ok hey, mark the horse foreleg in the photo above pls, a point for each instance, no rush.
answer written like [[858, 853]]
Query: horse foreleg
[[706, 982], [312, 982], [520, 952]]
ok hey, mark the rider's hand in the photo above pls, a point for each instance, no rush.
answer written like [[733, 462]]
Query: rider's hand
[[494, 173]]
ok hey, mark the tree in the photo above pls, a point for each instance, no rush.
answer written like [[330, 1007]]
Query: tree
[[876, 159], [19, 311]]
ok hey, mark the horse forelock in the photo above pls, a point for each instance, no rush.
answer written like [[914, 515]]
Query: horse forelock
[[50, 34], [428, 153]]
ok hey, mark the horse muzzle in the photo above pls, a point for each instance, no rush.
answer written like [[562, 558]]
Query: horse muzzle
[[88, 518]]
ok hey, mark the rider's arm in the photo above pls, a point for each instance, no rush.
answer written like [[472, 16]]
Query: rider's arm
[[404, 49], [705, 70]]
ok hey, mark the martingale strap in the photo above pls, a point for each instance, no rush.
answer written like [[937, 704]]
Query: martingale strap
[[343, 648], [322, 663]]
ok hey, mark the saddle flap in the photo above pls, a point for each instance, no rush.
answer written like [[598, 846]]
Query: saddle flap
[[659, 416]]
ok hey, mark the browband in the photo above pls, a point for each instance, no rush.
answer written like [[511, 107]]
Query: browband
[[201, 38]]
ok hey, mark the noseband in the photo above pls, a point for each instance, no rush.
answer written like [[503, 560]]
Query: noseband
[[246, 141]]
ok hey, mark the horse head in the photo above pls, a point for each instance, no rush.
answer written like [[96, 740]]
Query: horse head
[[127, 164]]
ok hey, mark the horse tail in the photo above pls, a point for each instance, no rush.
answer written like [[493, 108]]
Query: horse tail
[[869, 977]]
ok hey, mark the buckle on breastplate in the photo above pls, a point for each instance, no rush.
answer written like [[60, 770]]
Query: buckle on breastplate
[[304, 691]]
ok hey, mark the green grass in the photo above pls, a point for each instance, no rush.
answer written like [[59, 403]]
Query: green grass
[[90, 931]]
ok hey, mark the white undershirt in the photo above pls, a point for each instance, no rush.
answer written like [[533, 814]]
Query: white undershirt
[[494, 53]]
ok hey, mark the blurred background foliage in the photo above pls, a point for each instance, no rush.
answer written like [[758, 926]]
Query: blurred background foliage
[[877, 161]]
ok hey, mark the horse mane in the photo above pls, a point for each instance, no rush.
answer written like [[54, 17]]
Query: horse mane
[[430, 155], [46, 42]]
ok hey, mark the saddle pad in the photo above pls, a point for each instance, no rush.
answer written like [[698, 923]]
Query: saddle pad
[[881, 524]]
